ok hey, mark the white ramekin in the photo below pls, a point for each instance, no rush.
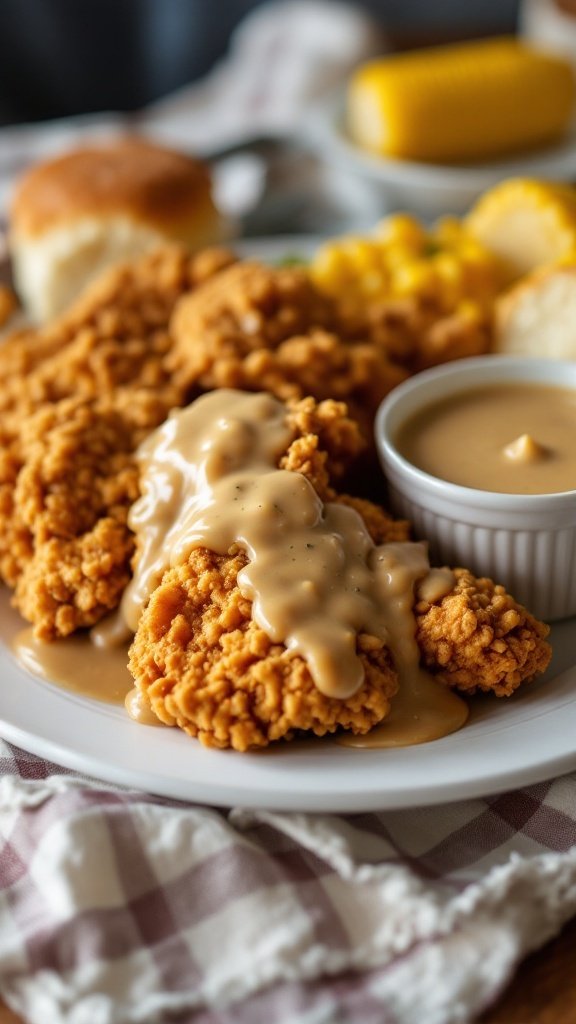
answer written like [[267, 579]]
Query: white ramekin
[[526, 542]]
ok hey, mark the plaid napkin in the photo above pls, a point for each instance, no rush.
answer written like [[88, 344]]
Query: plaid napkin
[[118, 907], [121, 908]]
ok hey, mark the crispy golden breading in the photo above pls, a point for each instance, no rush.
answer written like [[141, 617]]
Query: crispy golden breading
[[110, 344], [269, 329], [115, 335], [417, 335], [72, 495], [479, 638], [15, 539], [207, 667], [326, 442]]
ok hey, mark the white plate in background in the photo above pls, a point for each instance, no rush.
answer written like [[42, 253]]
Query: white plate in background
[[426, 189]]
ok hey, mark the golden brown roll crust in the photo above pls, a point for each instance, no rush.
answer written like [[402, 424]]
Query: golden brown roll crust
[[133, 177]]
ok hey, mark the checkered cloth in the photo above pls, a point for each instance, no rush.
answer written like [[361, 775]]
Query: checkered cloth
[[119, 907]]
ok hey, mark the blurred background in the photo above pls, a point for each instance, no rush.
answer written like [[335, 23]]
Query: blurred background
[[67, 57]]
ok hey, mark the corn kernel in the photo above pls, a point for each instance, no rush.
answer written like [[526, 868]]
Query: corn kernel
[[403, 229]]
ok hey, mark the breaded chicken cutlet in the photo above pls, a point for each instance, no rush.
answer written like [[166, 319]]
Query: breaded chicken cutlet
[[85, 390], [205, 665], [82, 394], [115, 334], [261, 328], [256, 327]]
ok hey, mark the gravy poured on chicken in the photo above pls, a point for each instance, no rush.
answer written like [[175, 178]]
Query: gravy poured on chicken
[[314, 576]]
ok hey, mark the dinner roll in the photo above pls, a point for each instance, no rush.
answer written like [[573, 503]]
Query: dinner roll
[[538, 316], [73, 216]]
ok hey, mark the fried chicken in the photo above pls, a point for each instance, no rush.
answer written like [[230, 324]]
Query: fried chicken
[[260, 328], [81, 394], [270, 328], [479, 638], [206, 666], [71, 500], [110, 346], [115, 335]]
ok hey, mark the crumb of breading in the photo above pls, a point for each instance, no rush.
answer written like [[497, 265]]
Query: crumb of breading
[[207, 667], [326, 443], [478, 638]]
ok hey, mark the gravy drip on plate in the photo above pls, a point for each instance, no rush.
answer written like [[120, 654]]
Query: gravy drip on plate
[[77, 664], [84, 664]]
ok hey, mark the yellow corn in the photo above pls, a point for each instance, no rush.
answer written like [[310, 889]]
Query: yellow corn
[[443, 266], [526, 223], [470, 101]]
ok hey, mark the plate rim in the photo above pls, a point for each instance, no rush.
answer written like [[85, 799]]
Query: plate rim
[[218, 778], [325, 128], [220, 793]]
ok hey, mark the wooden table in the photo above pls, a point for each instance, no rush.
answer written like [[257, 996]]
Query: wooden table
[[542, 992]]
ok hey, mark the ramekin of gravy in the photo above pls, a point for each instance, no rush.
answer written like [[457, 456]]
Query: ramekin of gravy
[[481, 455]]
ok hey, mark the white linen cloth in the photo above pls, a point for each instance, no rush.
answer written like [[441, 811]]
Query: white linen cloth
[[121, 908]]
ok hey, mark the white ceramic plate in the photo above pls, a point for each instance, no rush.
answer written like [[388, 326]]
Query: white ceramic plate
[[506, 744], [430, 190]]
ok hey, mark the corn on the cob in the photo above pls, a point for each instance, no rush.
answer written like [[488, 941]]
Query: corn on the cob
[[444, 266], [526, 224], [471, 101]]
